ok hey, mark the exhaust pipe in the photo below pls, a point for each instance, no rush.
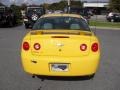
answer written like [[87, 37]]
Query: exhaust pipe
[[33, 76]]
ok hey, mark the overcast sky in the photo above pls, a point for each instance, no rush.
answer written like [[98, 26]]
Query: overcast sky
[[8, 2]]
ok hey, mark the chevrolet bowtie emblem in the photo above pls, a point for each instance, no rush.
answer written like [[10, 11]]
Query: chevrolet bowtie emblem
[[60, 44]]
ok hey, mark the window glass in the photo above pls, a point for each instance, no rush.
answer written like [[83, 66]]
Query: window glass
[[66, 23]]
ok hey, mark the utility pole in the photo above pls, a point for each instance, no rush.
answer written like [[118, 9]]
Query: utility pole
[[69, 6], [14, 1]]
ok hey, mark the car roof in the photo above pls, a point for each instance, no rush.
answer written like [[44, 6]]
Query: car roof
[[61, 15]]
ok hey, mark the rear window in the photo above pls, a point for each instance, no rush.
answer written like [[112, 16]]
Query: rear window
[[65, 23]]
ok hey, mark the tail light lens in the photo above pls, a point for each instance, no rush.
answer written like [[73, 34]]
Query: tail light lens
[[37, 46], [95, 47], [83, 47], [26, 46]]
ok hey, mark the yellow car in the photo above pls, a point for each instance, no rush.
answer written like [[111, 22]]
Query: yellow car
[[60, 45]]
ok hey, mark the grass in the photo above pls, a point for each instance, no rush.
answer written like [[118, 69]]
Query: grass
[[104, 24]]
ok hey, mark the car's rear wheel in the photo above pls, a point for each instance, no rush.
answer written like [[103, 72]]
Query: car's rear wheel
[[112, 20], [92, 76], [34, 17]]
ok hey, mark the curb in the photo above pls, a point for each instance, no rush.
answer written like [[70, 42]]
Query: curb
[[105, 28]]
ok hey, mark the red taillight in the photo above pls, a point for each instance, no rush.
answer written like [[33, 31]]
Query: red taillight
[[94, 47], [37, 46], [83, 47], [26, 46]]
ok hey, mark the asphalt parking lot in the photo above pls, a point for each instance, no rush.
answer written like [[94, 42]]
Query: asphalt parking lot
[[12, 76]]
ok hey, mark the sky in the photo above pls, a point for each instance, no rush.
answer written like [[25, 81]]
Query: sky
[[18, 2]]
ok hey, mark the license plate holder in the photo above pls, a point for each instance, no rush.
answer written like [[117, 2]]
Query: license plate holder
[[60, 67]]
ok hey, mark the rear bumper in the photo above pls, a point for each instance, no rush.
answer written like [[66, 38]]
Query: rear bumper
[[78, 66]]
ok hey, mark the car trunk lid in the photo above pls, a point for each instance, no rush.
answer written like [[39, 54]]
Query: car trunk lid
[[60, 43]]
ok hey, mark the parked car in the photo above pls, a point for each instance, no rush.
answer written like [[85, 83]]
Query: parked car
[[7, 16], [60, 45], [113, 17], [58, 11], [32, 14]]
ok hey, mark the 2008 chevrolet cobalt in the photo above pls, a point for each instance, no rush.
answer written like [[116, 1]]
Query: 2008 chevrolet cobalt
[[60, 45]]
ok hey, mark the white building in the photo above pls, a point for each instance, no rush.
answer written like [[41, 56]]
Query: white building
[[99, 8], [95, 4]]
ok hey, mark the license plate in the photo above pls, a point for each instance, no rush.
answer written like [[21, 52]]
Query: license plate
[[59, 67]]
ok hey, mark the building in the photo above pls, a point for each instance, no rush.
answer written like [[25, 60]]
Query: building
[[96, 7]]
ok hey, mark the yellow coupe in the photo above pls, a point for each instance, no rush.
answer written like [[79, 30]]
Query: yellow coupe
[[60, 45]]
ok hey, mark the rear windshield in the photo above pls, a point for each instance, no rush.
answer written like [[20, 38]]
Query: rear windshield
[[65, 23]]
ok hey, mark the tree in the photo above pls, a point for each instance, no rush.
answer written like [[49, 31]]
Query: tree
[[76, 3], [23, 6], [115, 5], [58, 6], [46, 5], [63, 3], [17, 11]]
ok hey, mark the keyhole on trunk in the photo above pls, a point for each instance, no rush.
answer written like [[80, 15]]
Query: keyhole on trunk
[[60, 50]]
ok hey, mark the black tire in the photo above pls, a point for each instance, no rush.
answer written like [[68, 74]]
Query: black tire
[[92, 76], [112, 20]]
